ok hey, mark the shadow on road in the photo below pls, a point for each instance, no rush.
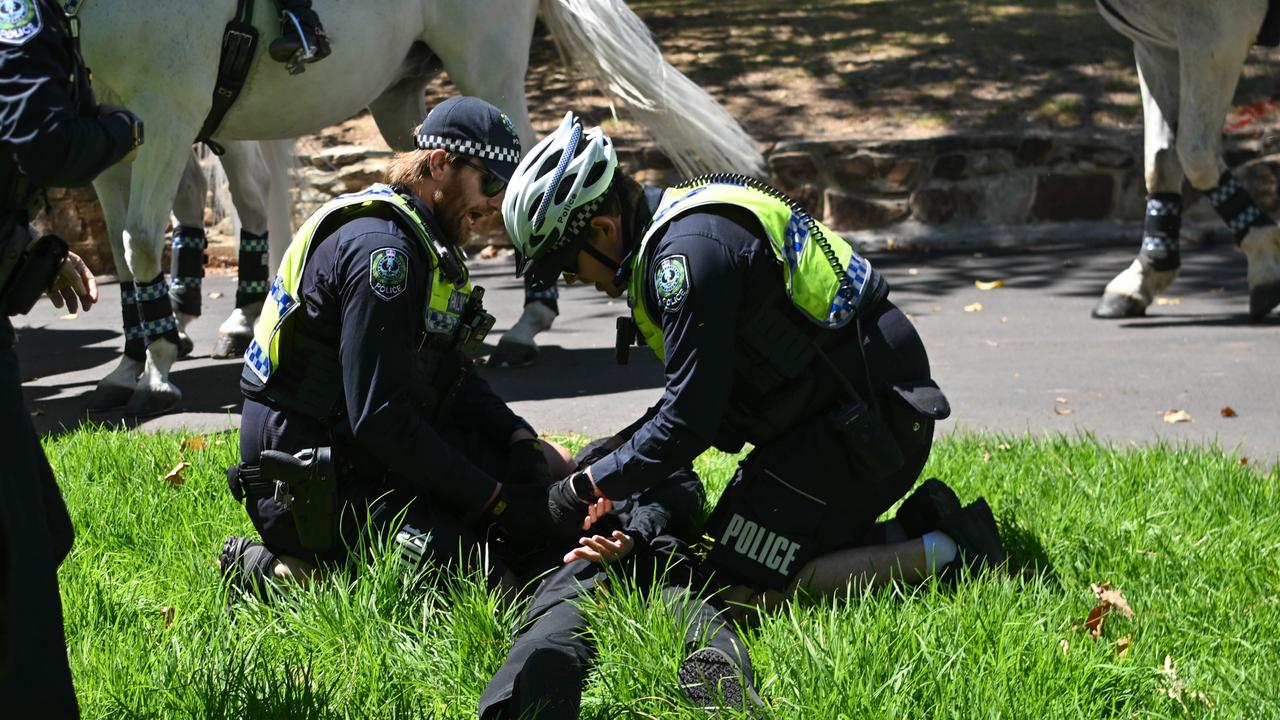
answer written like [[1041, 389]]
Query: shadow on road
[[577, 372]]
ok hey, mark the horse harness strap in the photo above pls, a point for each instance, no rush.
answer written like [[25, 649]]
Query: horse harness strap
[[239, 41]]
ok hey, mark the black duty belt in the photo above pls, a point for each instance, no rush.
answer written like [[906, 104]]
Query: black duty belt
[[246, 481]]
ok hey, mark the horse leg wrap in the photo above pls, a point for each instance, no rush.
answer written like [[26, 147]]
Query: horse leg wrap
[[1160, 231], [1236, 207], [157, 312], [549, 296], [187, 269], [253, 269], [135, 341]]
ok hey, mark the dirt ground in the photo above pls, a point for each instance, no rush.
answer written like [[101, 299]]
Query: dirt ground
[[870, 69]]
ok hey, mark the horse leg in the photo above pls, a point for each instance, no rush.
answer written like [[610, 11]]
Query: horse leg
[[152, 189], [114, 390], [1154, 270], [189, 243], [248, 180], [401, 107], [1209, 74]]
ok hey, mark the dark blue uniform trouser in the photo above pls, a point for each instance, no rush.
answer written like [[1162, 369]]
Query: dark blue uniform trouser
[[547, 666], [35, 535]]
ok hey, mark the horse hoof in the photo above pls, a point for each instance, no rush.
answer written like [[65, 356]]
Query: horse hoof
[[146, 403], [1262, 300], [1115, 307], [230, 346], [185, 345], [513, 354], [109, 397]]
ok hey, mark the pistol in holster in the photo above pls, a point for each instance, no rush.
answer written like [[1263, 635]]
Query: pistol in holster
[[306, 484]]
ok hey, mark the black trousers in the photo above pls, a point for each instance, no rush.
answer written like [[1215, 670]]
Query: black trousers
[[547, 666], [35, 536]]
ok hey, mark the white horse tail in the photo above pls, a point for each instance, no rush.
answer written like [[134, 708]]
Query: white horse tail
[[616, 50], [281, 163]]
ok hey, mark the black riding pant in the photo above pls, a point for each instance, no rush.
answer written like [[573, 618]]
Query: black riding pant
[[35, 536]]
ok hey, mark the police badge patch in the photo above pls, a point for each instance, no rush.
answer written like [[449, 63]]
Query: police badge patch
[[19, 21], [671, 281], [388, 272]]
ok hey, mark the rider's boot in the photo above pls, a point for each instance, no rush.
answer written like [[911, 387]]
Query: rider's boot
[[303, 39]]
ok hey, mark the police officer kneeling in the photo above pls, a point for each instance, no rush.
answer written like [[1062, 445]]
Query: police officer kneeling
[[773, 331], [362, 405]]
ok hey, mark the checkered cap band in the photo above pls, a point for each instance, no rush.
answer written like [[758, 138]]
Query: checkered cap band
[[469, 147]]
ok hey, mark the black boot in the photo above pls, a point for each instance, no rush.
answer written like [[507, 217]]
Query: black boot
[[303, 40], [246, 567], [976, 535], [713, 681]]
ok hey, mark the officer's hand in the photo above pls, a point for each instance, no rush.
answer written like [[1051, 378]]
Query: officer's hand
[[530, 512], [527, 464], [73, 282], [601, 549], [601, 507], [135, 127]]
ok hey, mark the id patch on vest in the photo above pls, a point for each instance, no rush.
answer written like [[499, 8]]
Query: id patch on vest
[[671, 281], [388, 272], [19, 21]]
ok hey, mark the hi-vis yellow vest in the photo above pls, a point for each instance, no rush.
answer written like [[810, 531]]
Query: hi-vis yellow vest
[[808, 270], [445, 303]]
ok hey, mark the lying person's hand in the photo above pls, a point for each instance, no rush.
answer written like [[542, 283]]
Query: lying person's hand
[[595, 511], [601, 549]]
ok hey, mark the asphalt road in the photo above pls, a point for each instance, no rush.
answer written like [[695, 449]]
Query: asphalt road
[[1030, 361]]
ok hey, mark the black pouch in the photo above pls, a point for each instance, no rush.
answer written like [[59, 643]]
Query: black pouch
[[31, 269]]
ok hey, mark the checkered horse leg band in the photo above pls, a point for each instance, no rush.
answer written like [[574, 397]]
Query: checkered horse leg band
[[187, 269], [1236, 207], [157, 312], [253, 283], [1160, 230], [549, 294], [135, 343]]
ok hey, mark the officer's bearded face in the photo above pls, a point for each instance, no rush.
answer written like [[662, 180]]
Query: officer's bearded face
[[459, 203]]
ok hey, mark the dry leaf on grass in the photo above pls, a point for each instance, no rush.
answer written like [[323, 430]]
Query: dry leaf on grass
[[174, 477], [1109, 599], [1123, 645], [1168, 301], [1227, 411], [1175, 688], [988, 284], [215, 295], [975, 307], [1061, 410], [1176, 416], [1066, 646], [194, 444], [1243, 461]]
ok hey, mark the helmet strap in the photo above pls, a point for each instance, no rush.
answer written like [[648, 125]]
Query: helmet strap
[[600, 257]]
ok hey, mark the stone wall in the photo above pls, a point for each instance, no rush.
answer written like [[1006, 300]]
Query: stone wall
[[965, 190]]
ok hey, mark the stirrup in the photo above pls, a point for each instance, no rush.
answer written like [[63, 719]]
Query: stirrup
[[308, 51]]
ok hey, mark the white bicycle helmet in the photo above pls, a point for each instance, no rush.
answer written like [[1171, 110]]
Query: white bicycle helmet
[[553, 193]]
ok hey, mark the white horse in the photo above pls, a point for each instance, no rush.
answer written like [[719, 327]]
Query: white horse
[[1189, 57], [159, 58]]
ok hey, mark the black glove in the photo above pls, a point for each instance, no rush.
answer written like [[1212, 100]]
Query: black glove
[[527, 465], [528, 512], [593, 451]]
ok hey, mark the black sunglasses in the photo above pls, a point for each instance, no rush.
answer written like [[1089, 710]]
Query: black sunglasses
[[492, 183]]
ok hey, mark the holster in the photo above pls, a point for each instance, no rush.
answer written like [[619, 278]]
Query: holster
[[867, 440], [27, 267], [306, 484]]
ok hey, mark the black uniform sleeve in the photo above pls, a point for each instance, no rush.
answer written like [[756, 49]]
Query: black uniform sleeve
[[479, 407], [673, 508], [54, 145], [698, 333], [377, 355]]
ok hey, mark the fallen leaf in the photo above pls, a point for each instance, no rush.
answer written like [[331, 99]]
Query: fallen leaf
[[193, 444], [1061, 400], [913, 271], [174, 477], [168, 613], [1227, 411], [936, 308], [489, 252], [1061, 410], [1093, 623], [975, 307], [37, 412], [988, 284], [1243, 461], [1002, 446], [69, 316], [1176, 416], [986, 457], [1066, 646], [1113, 597], [1168, 301], [215, 295], [1122, 645]]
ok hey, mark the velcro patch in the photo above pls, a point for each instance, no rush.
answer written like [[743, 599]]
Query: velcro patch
[[19, 21], [388, 272], [671, 281]]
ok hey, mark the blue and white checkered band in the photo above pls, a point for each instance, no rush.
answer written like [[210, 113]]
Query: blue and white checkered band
[[284, 300], [154, 291], [1229, 187], [795, 238], [134, 332], [1163, 208], [846, 300], [155, 328], [254, 287], [258, 361], [185, 282], [189, 241], [249, 243], [1157, 244], [577, 221], [468, 147], [1240, 223], [128, 297]]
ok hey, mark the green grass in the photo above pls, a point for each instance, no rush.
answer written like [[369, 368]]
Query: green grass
[[1191, 538]]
